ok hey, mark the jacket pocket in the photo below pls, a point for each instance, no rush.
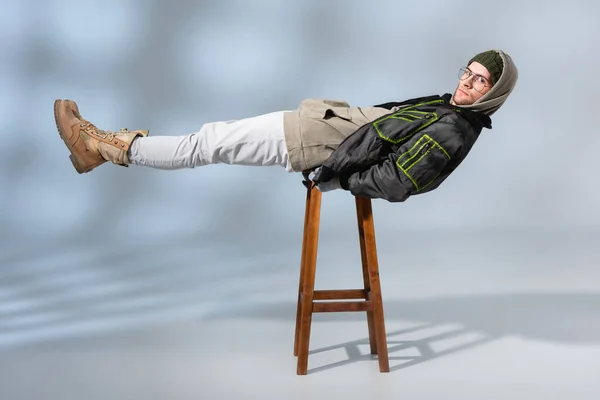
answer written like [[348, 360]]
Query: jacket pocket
[[319, 109], [423, 162], [340, 119], [400, 126], [339, 112]]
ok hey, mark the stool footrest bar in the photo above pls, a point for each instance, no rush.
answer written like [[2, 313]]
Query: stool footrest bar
[[339, 294], [342, 306]]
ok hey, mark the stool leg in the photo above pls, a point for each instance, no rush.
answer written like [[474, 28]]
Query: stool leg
[[373, 269], [302, 268], [310, 262], [365, 271]]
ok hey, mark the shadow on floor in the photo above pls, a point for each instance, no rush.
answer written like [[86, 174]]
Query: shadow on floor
[[462, 322]]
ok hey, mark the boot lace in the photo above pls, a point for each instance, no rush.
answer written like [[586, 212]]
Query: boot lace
[[91, 129]]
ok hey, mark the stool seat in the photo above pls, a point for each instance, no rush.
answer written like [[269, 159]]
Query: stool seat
[[368, 299]]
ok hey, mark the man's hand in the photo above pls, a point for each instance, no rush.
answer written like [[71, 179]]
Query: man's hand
[[329, 185], [325, 186]]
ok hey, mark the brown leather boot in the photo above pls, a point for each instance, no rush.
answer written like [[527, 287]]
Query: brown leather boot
[[90, 146]]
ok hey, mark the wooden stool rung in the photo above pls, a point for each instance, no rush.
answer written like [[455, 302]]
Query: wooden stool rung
[[342, 306], [337, 294]]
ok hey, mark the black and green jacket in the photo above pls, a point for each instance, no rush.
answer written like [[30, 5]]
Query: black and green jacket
[[407, 152]]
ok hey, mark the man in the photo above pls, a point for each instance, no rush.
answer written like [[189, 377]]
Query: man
[[390, 151]]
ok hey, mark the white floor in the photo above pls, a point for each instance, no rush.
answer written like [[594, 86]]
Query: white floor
[[487, 315]]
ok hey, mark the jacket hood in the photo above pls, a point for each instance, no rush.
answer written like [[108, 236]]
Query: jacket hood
[[490, 102]]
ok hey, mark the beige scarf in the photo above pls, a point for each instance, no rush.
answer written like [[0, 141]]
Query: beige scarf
[[490, 102]]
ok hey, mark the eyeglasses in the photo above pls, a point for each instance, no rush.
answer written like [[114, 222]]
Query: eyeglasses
[[479, 82]]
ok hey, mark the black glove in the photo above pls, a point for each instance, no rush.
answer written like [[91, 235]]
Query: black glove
[[331, 184]]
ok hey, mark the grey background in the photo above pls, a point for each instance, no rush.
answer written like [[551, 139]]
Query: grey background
[[121, 248]]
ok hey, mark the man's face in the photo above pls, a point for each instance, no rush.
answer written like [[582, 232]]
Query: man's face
[[465, 93]]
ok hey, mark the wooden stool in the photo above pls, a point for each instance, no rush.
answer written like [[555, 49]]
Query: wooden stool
[[308, 297]]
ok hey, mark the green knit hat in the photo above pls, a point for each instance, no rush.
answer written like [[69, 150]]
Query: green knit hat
[[492, 61]]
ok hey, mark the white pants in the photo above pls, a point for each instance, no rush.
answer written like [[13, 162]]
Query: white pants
[[257, 141]]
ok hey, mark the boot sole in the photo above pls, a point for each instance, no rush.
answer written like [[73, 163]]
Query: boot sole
[[80, 164]]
